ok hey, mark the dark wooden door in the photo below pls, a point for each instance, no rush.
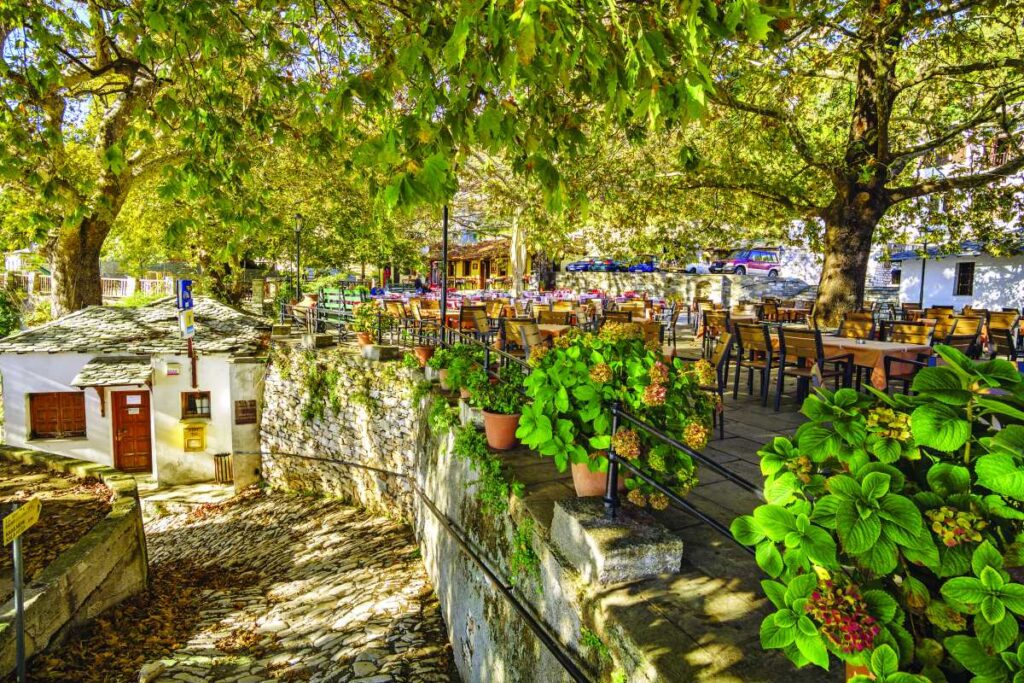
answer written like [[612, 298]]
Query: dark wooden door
[[133, 445]]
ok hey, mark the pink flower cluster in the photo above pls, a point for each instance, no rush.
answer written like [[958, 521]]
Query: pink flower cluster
[[654, 395], [843, 616], [626, 443], [658, 373]]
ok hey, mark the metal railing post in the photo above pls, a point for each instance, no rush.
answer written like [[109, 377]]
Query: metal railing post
[[380, 331], [611, 489]]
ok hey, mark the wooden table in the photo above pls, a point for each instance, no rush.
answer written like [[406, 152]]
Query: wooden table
[[871, 354], [792, 313], [552, 330], [743, 318]]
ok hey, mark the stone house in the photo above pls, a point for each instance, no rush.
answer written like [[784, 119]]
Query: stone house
[[117, 386]]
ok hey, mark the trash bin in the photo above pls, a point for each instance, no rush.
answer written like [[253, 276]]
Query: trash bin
[[222, 468]]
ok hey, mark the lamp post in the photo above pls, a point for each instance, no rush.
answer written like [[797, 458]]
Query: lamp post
[[444, 270], [924, 265], [298, 256]]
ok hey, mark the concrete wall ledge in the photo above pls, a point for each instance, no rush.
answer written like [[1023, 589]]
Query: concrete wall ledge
[[107, 565]]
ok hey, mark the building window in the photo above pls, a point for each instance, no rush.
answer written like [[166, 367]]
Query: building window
[[245, 412], [895, 276], [57, 415], [964, 284], [195, 404]]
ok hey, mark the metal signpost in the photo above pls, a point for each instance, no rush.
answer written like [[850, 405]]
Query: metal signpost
[[15, 524], [187, 321]]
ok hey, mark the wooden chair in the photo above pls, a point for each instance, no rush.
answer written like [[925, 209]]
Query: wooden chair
[[563, 306], [965, 335], [529, 337], [770, 311], [510, 336], [944, 324], [583, 319], [754, 352], [911, 333], [419, 324], [1003, 333], [618, 316], [553, 317], [857, 325], [716, 323], [720, 362], [806, 345], [652, 330]]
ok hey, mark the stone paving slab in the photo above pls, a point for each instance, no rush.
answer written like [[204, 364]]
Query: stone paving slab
[[339, 596]]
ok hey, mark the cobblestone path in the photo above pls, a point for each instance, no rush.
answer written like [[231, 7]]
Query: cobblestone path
[[336, 596]]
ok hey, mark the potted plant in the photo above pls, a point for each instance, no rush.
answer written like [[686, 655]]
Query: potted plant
[[439, 363], [366, 320], [464, 359], [501, 402], [574, 383], [893, 529]]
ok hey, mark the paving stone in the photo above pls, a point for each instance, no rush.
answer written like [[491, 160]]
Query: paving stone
[[332, 583]]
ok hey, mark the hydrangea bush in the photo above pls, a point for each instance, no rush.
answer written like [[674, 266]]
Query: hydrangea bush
[[892, 529], [574, 383]]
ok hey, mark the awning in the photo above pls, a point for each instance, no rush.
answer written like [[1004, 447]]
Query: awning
[[112, 371]]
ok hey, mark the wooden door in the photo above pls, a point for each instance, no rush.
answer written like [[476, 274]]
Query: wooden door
[[133, 444]]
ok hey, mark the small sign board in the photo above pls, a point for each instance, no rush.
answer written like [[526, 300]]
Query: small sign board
[[187, 320], [184, 293], [21, 520]]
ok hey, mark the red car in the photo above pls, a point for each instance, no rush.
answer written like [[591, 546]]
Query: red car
[[749, 261]]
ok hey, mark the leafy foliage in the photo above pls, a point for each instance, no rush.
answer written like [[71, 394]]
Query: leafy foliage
[[573, 385], [504, 396], [10, 312], [892, 529], [492, 488]]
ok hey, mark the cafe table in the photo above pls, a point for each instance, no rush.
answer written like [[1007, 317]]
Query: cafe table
[[869, 353], [791, 313]]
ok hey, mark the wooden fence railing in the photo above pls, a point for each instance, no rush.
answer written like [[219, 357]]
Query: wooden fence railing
[[40, 284]]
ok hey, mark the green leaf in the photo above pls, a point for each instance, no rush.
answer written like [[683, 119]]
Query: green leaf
[[1012, 595], [985, 555], [999, 408], [875, 485], [992, 610], [813, 648], [820, 546], [901, 511], [887, 450], [965, 590], [1000, 473], [999, 635], [775, 521], [857, 534], [881, 558], [843, 485], [526, 41], [972, 656], [776, 592], [880, 604], [946, 479], [942, 384], [455, 48], [884, 661], [773, 636], [817, 442], [940, 427], [768, 558], [745, 529]]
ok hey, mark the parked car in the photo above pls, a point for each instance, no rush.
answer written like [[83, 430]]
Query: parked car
[[697, 268], [749, 261], [648, 266], [607, 265], [581, 266]]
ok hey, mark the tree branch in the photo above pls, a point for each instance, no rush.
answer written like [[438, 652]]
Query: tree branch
[[963, 70], [966, 182], [800, 143]]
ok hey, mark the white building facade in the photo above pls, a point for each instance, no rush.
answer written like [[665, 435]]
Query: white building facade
[[116, 386]]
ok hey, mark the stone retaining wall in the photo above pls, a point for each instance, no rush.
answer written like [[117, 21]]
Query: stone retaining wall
[[103, 568], [726, 289], [370, 420]]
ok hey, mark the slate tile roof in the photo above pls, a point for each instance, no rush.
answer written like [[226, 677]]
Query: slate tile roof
[[112, 371], [149, 329]]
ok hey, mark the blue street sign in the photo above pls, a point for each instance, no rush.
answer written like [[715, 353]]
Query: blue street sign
[[184, 292]]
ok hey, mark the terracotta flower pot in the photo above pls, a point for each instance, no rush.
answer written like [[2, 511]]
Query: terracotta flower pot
[[857, 670], [501, 430], [464, 393], [589, 483], [423, 354], [365, 338], [442, 377]]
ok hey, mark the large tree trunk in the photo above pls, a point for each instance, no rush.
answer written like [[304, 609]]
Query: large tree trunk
[[849, 226], [75, 265]]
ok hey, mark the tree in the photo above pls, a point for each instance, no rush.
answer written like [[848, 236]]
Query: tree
[[837, 119], [101, 94]]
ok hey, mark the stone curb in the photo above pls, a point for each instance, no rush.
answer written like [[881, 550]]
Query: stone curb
[[66, 593]]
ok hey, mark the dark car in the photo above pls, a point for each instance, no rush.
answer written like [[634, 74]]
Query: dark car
[[644, 267], [608, 265], [749, 262], [582, 265]]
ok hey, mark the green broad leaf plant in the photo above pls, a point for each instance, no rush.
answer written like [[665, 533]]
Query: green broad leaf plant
[[503, 396], [368, 315], [892, 528], [574, 383]]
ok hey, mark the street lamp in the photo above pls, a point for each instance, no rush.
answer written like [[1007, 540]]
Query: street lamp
[[298, 256]]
